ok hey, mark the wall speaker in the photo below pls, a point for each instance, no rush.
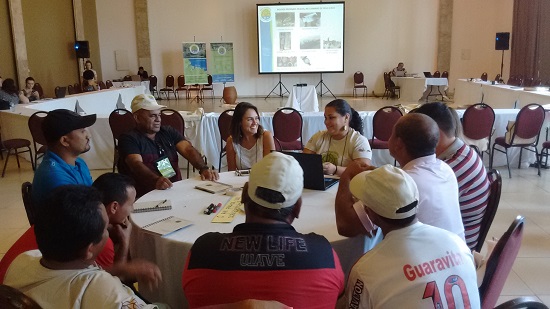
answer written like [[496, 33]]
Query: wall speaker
[[82, 49], [502, 41]]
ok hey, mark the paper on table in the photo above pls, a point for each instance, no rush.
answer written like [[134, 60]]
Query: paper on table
[[229, 211], [152, 206], [167, 225]]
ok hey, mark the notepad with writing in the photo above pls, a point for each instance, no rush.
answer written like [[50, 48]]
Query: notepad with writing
[[212, 187], [167, 225], [152, 206]]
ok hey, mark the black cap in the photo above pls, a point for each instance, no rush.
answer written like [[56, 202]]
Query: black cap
[[61, 122]]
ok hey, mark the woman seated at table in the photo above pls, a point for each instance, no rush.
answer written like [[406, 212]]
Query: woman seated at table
[[342, 142], [89, 83], [8, 94], [88, 66], [28, 94], [248, 142]]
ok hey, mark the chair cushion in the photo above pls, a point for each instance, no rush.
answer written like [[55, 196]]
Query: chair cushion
[[378, 144], [16, 143], [546, 144], [501, 141]]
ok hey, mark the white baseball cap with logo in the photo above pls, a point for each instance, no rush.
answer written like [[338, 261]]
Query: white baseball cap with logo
[[388, 191], [280, 173], [145, 101]]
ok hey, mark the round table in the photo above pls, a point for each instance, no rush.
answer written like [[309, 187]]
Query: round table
[[170, 252]]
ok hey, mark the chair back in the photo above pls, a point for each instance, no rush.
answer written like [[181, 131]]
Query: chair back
[[445, 74], [437, 74], [77, 88], [26, 189], [287, 129], [39, 89], [102, 85], [121, 121], [209, 78], [70, 89], [528, 82], [172, 118], [477, 121], [153, 83], [383, 122], [26, 242], [35, 126], [529, 123], [358, 77], [497, 78], [500, 263], [224, 123], [181, 82], [484, 76], [495, 188], [11, 298], [169, 81], [109, 84], [127, 78]]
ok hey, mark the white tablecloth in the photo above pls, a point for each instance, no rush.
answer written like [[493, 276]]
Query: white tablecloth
[[303, 98], [416, 88], [170, 252], [127, 84], [468, 92]]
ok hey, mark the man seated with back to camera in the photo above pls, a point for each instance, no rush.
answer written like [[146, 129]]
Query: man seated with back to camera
[[412, 144], [265, 258], [71, 230], [118, 197], [149, 153], [416, 265], [473, 183]]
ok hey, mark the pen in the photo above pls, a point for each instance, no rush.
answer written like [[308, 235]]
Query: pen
[[161, 203], [209, 209]]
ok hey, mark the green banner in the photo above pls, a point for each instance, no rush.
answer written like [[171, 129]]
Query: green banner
[[194, 63], [223, 70]]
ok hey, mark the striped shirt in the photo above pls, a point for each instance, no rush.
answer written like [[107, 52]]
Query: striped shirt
[[473, 186]]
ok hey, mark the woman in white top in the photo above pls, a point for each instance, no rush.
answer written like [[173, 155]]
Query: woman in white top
[[343, 141], [249, 142], [88, 66]]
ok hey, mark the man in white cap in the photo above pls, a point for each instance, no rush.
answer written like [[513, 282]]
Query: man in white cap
[[416, 265], [265, 257], [149, 153]]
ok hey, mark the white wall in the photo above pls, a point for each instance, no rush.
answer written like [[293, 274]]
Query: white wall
[[116, 31], [378, 35], [475, 24]]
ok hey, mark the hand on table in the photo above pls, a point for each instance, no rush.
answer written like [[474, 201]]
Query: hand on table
[[209, 174], [163, 183]]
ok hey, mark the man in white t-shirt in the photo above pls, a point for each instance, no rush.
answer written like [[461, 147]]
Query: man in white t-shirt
[[71, 230], [416, 265]]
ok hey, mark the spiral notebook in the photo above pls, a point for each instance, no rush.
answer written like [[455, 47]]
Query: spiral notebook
[[152, 206], [167, 225]]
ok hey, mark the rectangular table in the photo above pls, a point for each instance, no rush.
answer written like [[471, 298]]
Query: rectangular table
[[414, 89], [127, 84], [303, 98]]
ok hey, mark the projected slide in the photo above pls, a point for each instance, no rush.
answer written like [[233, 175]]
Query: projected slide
[[300, 37]]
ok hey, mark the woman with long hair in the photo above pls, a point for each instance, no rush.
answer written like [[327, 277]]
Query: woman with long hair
[[342, 142], [9, 94], [248, 142]]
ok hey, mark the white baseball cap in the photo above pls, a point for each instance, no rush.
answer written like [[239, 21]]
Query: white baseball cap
[[388, 191], [280, 173], [145, 101]]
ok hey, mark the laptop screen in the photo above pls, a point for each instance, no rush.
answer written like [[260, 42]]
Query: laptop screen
[[427, 74]]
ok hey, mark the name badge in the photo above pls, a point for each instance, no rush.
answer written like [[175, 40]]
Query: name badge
[[165, 168]]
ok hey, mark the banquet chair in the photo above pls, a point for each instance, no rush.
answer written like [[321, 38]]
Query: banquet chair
[[287, 129], [168, 87], [127, 78], [436, 74], [12, 146], [174, 119], [11, 298], [499, 264], [497, 78], [525, 133], [120, 121], [224, 123], [77, 88], [182, 87], [382, 125], [495, 189], [153, 85], [38, 138], [390, 87], [108, 84], [39, 89], [26, 190], [484, 76], [523, 302], [26, 242], [445, 74], [70, 89], [208, 87], [101, 85], [477, 124], [359, 82], [528, 82], [544, 152]]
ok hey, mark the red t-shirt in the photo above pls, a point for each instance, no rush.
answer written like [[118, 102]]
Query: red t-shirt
[[106, 257]]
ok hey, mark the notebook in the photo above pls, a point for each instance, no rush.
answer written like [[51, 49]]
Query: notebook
[[212, 187], [428, 74], [152, 206], [312, 164], [167, 225]]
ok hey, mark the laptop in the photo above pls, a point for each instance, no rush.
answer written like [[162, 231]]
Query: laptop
[[312, 164], [427, 74]]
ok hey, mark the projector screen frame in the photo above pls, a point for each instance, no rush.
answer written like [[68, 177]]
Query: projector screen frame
[[299, 4]]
